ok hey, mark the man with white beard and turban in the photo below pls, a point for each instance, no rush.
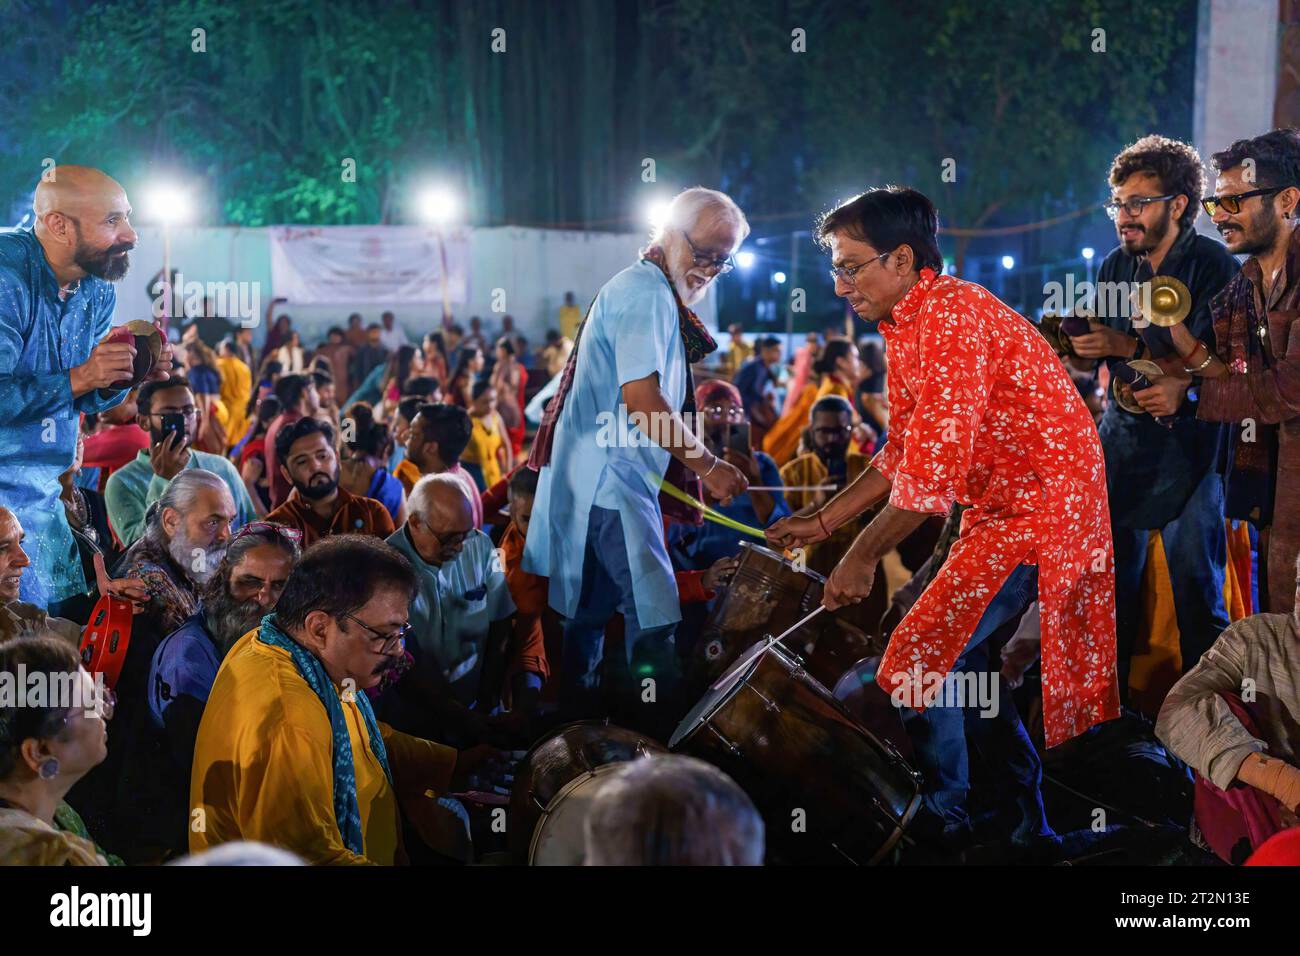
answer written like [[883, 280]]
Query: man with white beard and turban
[[184, 541]]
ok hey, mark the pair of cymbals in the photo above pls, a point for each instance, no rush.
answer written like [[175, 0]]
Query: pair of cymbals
[[148, 348]]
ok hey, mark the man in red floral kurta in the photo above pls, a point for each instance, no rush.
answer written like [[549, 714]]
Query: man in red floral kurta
[[981, 413]]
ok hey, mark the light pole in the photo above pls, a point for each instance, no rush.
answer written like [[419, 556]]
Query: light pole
[[168, 204], [438, 207]]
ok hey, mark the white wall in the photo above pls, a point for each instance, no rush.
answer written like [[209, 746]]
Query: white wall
[[535, 267]]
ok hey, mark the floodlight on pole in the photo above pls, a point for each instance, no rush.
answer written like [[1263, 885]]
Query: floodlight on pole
[[778, 278], [745, 259], [656, 211], [167, 203], [1088, 252], [438, 206], [1008, 262]]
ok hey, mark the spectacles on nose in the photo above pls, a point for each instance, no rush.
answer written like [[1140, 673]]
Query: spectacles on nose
[[848, 272], [702, 260], [730, 413], [1232, 204], [1132, 206], [389, 641]]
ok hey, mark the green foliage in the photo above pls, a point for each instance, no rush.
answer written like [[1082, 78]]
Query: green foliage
[[554, 130]]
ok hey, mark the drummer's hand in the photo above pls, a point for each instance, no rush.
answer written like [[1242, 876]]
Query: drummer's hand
[[485, 768], [850, 582], [162, 369], [725, 481], [1164, 397], [793, 532], [124, 589], [720, 572]]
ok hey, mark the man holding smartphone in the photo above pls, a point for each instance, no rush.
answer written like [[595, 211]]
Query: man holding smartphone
[[167, 411]]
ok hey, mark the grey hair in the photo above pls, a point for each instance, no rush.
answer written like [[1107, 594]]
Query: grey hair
[[420, 500], [180, 495], [672, 811], [689, 205], [241, 853]]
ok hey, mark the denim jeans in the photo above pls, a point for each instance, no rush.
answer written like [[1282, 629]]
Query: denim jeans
[[650, 652], [1196, 550], [938, 734]]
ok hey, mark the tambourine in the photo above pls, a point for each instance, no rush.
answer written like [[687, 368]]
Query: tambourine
[[105, 639], [148, 347]]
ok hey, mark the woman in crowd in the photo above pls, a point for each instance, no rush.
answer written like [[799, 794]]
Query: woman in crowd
[[203, 371], [463, 376], [403, 365], [44, 750], [838, 369], [361, 471], [435, 356], [509, 379], [487, 456], [277, 335], [251, 456], [236, 388], [291, 356]]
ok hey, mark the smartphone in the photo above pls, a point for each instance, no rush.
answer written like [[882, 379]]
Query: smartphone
[[173, 422], [738, 440]]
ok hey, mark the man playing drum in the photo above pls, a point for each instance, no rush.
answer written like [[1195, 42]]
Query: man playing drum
[[982, 413]]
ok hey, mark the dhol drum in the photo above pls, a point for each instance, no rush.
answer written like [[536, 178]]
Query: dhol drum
[[828, 789], [767, 594], [554, 786]]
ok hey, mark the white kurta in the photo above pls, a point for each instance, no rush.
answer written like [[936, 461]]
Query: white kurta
[[599, 458]]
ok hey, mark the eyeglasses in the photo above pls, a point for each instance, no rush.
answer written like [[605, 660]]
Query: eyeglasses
[[848, 272], [1132, 206], [723, 264], [390, 641], [268, 527], [104, 704], [1232, 204], [730, 413]]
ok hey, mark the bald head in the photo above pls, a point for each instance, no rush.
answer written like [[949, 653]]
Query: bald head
[[83, 223], [440, 517]]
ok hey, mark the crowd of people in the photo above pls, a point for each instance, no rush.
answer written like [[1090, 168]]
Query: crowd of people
[[367, 573]]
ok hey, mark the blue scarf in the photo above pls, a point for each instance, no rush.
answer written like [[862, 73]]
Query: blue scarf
[[346, 811]]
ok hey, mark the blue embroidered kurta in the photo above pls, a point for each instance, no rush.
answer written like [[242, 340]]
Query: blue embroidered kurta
[[42, 338]]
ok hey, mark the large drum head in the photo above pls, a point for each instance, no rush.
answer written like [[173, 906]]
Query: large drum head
[[721, 691], [560, 839], [769, 554]]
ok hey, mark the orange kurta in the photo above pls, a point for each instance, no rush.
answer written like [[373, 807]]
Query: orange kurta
[[984, 414]]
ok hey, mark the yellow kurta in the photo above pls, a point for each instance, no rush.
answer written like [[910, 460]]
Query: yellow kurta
[[484, 443], [236, 389], [263, 765]]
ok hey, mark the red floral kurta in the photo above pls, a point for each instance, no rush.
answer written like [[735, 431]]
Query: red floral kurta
[[983, 413]]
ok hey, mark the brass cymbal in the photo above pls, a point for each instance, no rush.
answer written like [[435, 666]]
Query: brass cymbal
[[1124, 400], [1170, 301]]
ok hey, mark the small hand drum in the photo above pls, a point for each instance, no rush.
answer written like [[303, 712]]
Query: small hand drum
[[105, 639], [148, 347]]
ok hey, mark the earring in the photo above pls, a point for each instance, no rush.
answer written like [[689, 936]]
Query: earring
[[49, 769]]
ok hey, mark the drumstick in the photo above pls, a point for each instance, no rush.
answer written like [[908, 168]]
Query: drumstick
[[716, 516], [766, 646]]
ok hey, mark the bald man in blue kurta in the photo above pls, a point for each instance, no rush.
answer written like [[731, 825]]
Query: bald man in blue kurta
[[56, 305]]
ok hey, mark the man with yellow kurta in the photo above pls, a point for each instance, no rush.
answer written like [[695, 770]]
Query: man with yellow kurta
[[289, 751]]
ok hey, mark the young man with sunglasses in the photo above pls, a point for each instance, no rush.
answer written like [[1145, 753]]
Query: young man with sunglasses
[[1252, 372], [1161, 462]]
